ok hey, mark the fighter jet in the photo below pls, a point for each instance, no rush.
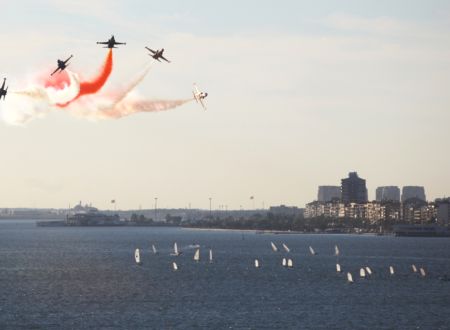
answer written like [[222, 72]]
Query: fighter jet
[[3, 91], [157, 54], [199, 96], [110, 43], [61, 65]]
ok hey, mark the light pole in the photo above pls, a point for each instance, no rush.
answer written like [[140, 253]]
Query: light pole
[[156, 207]]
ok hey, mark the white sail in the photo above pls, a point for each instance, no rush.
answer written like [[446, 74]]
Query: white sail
[[210, 255], [338, 268], [391, 270], [286, 248], [362, 272], [175, 267], [336, 250], [197, 255], [311, 250], [349, 278], [289, 263], [422, 272], [283, 262], [274, 247], [414, 268], [256, 263], [175, 250], [368, 271], [154, 249], [137, 256]]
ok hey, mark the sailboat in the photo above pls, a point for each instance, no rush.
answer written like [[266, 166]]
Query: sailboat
[[362, 273], [175, 250], [338, 268], [283, 262], [311, 250], [137, 257], [349, 278], [289, 263], [286, 248], [210, 255], [336, 250], [414, 268], [256, 263], [391, 270], [368, 271], [274, 247], [422, 272], [154, 249], [174, 265], [197, 255]]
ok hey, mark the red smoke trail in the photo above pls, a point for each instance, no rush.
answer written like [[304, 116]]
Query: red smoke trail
[[93, 86], [57, 81]]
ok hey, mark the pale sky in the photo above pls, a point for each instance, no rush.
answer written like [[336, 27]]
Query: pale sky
[[300, 94]]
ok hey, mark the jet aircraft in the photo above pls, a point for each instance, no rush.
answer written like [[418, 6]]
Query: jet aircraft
[[111, 43], [61, 65], [199, 96], [3, 91], [157, 54]]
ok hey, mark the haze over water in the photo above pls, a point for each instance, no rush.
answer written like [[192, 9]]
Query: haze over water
[[54, 278]]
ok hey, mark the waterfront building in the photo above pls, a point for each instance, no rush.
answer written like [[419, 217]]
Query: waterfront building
[[418, 211], [443, 211], [353, 189], [409, 192], [286, 210], [387, 193], [328, 193]]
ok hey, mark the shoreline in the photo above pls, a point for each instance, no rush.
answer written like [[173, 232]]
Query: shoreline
[[283, 232]]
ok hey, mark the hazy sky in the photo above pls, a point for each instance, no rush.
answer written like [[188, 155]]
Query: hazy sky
[[301, 93]]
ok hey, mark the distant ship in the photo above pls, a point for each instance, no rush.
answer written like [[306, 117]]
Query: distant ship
[[421, 230]]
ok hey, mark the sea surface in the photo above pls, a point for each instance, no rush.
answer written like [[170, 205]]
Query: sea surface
[[86, 278]]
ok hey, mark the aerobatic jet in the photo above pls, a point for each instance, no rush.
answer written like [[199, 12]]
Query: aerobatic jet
[[199, 96], [111, 43], [157, 54], [61, 65], [3, 91]]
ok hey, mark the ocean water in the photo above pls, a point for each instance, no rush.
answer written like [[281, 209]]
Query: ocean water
[[86, 278]]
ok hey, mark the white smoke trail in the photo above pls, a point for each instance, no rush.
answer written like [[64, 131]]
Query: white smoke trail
[[35, 101], [54, 95], [66, 94], [131, 86], [123, 104], [129, 107]]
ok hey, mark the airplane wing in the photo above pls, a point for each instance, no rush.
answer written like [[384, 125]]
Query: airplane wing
[[102, 42], [151, 50], [202, 103], [120, 43], [54, 71], [165, 59], [196, 89]]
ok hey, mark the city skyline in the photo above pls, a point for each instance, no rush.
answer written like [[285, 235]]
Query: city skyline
[[285, 84]]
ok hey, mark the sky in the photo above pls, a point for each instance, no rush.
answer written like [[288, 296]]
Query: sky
[[300, 94]]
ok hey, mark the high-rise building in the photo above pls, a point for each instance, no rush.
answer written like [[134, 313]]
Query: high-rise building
[[328, 193], [443, 211], [413, 192], [388, 193], [353, 189]]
